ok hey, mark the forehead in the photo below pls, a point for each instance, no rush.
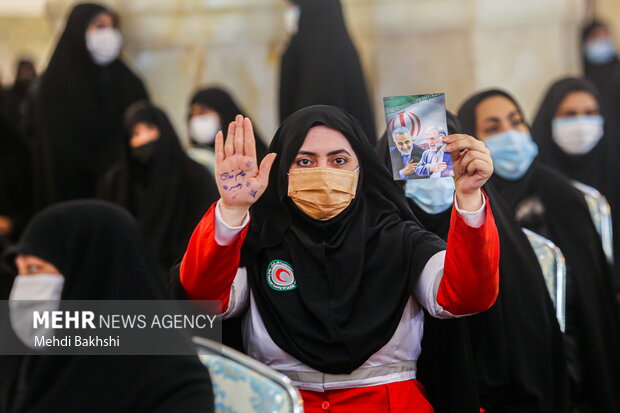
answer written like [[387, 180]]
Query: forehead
[[401, 136], [143, 126], [104, 17], [321, 139], [579, 98], [495, 106]]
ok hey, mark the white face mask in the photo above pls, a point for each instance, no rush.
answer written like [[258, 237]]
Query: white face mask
[[291, 19], [600, 51], [40, 292], [577, 135], [203, 128], [104, 45]]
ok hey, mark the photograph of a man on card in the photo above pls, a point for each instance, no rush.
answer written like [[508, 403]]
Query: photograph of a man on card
[[405, 155], [435, 162]]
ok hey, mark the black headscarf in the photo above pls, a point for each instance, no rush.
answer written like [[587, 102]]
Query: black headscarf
[[597, 168], [605, 76], [342, 310], [591, 314], [168, 195], [78, 114], [446, 365], [220, 101], [98, 249], [321, 66]]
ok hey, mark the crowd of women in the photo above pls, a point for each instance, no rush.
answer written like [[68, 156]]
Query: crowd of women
[[372, 295]]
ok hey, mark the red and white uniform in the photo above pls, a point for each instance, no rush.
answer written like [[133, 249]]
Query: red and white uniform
[[462, 280]]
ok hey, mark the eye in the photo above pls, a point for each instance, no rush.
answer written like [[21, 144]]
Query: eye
[[517, 122], [340, 161], [32, 268], [490, 130], [304, 162]]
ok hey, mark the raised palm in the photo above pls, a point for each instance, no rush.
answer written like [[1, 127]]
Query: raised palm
[[240, 180]]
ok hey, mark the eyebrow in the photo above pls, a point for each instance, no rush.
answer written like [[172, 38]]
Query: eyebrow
[[329, 154]]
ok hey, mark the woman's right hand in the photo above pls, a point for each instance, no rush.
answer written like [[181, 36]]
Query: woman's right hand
[[240, 180]]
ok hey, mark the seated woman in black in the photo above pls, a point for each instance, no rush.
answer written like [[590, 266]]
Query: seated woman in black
[[546, 202], [91, 250], [516, 345], [158, 183]]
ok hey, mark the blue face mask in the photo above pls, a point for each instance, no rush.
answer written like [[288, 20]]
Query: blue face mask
[[433, 195], [600, 51], [512, 153]]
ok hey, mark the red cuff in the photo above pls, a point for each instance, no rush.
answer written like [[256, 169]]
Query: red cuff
[[208, 269], [470, 282]]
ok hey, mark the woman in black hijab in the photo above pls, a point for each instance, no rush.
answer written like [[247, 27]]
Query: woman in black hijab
[[545, 202], [576, 138], [321, 65], [79, 107], [332, 257], [515, 348], [15, 97], [158, 183], [210, 108], [601, 65], [101, 257]]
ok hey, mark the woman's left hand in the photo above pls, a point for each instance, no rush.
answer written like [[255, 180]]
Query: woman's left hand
[[472, 168]]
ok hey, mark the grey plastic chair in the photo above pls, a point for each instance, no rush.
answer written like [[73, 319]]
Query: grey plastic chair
[[553, 266], [244, 385], [601, 215]]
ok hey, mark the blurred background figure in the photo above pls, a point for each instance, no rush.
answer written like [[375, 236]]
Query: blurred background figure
[[15, 96], [601, 65], [158, 183], [320, 64], [79, 107], [577, 139], [212, 109]]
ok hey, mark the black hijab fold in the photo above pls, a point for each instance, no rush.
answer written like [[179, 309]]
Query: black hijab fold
[[354, 273], [321, 66], [591, 313], [597, 168], [222, 102], [168, 195], [99, 251], [78, 112]]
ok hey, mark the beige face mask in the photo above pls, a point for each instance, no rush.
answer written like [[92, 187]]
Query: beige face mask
[[322, 193]]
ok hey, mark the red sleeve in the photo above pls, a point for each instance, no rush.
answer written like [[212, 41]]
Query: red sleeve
[[470, 282], [208, 269]]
